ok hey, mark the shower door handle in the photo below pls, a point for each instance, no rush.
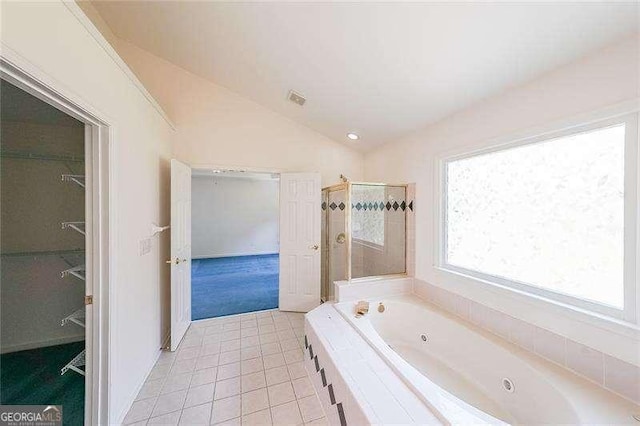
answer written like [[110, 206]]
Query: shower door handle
[[314, 247]]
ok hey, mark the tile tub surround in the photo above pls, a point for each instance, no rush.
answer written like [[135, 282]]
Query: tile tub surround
[[613, 374], [372, 288], [351, 379], [241, 369]]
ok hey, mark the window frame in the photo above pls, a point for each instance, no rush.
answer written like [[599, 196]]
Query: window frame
[[629, 313]]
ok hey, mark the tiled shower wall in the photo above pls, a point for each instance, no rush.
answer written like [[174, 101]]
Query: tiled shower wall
[[411, 230]]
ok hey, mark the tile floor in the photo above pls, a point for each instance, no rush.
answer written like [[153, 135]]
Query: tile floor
[[244, 369]]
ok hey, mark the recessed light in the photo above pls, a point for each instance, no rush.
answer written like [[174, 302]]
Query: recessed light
[[353, 136]]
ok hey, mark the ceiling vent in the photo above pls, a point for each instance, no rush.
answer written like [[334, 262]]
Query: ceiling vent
[[296, 98]]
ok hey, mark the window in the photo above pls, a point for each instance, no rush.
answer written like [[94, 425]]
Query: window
[[547, 217], [368, 222]]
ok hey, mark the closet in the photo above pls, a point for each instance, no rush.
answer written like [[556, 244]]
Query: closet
[[42, 255]]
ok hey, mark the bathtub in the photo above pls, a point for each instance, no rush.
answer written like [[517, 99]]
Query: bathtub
[[466, 375]]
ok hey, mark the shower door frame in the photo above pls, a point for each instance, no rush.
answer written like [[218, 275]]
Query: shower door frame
[[348, 186]]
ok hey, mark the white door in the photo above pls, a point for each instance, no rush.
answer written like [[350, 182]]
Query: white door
[[299, 241], [180, 251]]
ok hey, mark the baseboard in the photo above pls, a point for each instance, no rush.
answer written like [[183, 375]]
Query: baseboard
[[41, 344], [136, 391], [216, 256]]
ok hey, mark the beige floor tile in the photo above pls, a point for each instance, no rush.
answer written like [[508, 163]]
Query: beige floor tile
[[210, 349], [266, 328], [319, 422], [188, 353], [150, 389], [289, 345], [281, 393], [226, 409], [230, 335], [169, 402], [248, 332], [274, 360], [252, 352], [255, 400], [228, 371], [277, 375], [202, 377], [140, 410], [253, 381], [229, 357], [176, 383], [310, 408], [207, 361], [286, 414], [247, 342], [251, 365], [166, 419], [227, 388], [259, 418], [286, 335], [197, 415], [303, 387], [181, 367], [270, 348], [197, 395], [231, 326], [231, 422], [295, 355], [268, 338], [297, 370], [230, 345]]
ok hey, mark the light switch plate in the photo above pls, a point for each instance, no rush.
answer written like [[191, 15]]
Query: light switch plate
[[145, 246]]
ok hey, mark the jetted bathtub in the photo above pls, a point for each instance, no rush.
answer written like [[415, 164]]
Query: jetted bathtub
[[467, 375]]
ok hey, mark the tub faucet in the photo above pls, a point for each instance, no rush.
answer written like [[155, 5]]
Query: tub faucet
[[362, 308]]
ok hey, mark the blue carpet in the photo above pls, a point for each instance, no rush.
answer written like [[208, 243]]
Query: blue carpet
[[233, 285]]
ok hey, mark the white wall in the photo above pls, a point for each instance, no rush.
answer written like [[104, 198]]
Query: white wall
[[34, 203], [50, 38], [218, 127], [234, 216], [602, 79]]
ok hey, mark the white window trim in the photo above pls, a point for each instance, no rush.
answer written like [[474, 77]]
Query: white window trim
[[581, 309]]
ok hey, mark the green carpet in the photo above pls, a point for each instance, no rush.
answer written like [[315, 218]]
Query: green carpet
[[33, 377]]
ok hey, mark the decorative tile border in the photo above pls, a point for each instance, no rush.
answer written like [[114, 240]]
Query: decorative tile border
[[372, 206], [326, 385]]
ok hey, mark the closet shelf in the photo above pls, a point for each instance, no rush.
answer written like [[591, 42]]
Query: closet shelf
[[44, 253], [77, 226], [76, 271], [75, 364], [22, 155], [78, 317], [79, 179]]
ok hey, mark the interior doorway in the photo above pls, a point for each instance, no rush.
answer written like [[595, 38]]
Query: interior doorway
[[235, 242], [54, 247]]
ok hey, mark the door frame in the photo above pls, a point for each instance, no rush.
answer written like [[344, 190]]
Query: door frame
[[99, 223]]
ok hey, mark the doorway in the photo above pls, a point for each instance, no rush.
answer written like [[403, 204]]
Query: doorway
[[54, 248], [235, 242]]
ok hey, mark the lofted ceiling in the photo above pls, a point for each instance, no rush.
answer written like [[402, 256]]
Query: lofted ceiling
[[380, 70]]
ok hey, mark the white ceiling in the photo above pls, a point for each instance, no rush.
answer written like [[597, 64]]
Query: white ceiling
[[381, 70]]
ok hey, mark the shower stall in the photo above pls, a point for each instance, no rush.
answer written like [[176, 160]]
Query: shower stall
[[363, 232]]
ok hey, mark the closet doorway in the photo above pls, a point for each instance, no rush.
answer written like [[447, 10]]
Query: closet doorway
[[53, 251]]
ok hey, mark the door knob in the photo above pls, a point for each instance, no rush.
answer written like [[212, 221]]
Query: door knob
[[176, 261], [314, 247]]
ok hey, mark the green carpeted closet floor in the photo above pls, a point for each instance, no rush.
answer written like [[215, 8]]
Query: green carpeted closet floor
[[33, 377]]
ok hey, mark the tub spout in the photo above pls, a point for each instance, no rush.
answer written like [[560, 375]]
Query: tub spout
[[362, 308]]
